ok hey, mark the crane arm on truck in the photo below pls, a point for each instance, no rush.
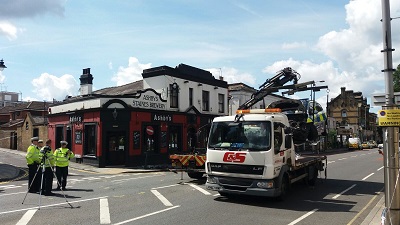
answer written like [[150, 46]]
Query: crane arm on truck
[[281, 78]]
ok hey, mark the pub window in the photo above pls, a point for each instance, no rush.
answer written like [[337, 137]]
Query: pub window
[[174, 139], [90, 140], [206, 100], [221, 103], [190, 96], [174, 95], [344, 113]]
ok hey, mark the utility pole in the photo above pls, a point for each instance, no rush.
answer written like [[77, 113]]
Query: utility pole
[[391, 134]]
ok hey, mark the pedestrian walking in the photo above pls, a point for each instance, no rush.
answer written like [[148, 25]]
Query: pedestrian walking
[[33, 161], [47, 159], [62, 156]]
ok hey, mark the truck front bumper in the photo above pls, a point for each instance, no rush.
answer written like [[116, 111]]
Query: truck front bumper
[[242, 186]]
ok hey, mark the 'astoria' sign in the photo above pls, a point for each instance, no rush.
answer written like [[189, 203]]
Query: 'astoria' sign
[[149, 99]]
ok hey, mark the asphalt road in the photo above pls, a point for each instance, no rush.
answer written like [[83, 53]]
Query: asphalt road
[[344, 197]]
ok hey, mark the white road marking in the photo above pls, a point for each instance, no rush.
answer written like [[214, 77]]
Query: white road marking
[[9, 187], [172, 185], [161, 197], [302, 217], [368, 176], [91, 178], [338, 195], [353, 156], [379, 168], [147, 215], [134, 178], [57, 204], [331, 162], [342, 158], [216, 195], [104, 211], [200, 189], [27, 217], [13, 193]]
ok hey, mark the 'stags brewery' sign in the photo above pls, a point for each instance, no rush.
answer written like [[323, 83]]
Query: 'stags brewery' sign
[[149, 99]]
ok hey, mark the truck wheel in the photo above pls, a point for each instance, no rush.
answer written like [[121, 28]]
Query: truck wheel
[[195, 175], [284, 188]]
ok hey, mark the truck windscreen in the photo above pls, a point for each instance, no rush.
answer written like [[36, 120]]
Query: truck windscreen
[[243, 135]]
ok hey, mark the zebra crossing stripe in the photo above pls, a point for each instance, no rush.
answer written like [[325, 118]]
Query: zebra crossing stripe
[[104, 211], [27, 217]]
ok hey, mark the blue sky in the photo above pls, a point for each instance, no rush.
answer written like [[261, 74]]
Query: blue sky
[[46, 43]]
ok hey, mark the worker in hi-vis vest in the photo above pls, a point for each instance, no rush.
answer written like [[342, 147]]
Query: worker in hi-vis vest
[[48, 160], [33, 161], [62, 156]]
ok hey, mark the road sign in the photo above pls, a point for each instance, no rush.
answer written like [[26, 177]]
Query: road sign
[[380, 99], [389, 117], [344, 131], [150, 130]]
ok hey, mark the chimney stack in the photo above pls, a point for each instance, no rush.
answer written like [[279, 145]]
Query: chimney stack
[[86, 82]]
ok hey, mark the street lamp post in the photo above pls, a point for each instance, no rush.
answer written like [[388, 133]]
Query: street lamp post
[[391, 137], [358, 121]]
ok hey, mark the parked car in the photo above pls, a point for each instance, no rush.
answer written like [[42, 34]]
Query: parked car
[[354, 143], [373, 144], [365, 145]]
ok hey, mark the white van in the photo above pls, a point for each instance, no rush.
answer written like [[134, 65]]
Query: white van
[[355, 143]]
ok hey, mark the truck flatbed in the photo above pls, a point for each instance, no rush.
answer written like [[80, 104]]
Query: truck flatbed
[[308, 159]]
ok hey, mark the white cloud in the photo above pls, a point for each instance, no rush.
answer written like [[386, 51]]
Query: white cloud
[[232, 75], [9, 30], [48, 86], [294, 45], [131, 73]]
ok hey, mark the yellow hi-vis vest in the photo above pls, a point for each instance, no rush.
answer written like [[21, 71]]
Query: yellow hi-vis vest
[[62, 157], [49, 160], [32, 154]]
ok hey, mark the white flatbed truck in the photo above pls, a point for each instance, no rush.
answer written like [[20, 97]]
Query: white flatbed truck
[[253, 153]]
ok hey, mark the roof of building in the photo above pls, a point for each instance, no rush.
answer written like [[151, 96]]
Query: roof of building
[[240, 87], [187, 72], [126, 89]]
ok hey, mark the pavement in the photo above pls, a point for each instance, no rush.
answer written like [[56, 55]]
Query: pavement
[[10, 172]]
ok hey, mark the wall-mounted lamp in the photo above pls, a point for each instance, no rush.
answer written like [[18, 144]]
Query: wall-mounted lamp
[[2, 66]]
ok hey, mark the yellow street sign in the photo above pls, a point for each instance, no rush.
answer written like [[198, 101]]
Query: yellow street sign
[[389, 118]]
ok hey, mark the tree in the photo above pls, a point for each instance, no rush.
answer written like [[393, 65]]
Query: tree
[[396, 79]]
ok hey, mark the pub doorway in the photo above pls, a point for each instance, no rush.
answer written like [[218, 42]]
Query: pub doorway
[[116, 148]]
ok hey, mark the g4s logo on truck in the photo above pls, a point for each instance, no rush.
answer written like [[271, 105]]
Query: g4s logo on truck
[[238, 157]]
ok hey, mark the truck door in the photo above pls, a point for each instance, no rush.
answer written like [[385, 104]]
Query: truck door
[[279, 156]]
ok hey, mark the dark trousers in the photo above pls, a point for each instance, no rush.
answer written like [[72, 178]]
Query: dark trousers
[[47, 182], [62, 173], [34, 184]]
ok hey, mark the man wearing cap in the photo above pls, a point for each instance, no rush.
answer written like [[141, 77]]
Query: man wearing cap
[[62, 156], [33, 161]]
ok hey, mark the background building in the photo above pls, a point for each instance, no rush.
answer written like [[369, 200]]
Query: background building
[[350, 111]]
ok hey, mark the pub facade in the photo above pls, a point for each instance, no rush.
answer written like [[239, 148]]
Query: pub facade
[[143, 122]]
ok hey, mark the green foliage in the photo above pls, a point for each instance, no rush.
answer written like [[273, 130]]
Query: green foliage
[[396, 79]]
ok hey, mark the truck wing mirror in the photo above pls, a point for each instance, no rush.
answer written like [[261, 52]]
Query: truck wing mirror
[[288, 130], [288, 141]]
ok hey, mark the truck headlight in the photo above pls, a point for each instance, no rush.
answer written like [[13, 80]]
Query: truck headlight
[[211, 180], [265, 184]]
